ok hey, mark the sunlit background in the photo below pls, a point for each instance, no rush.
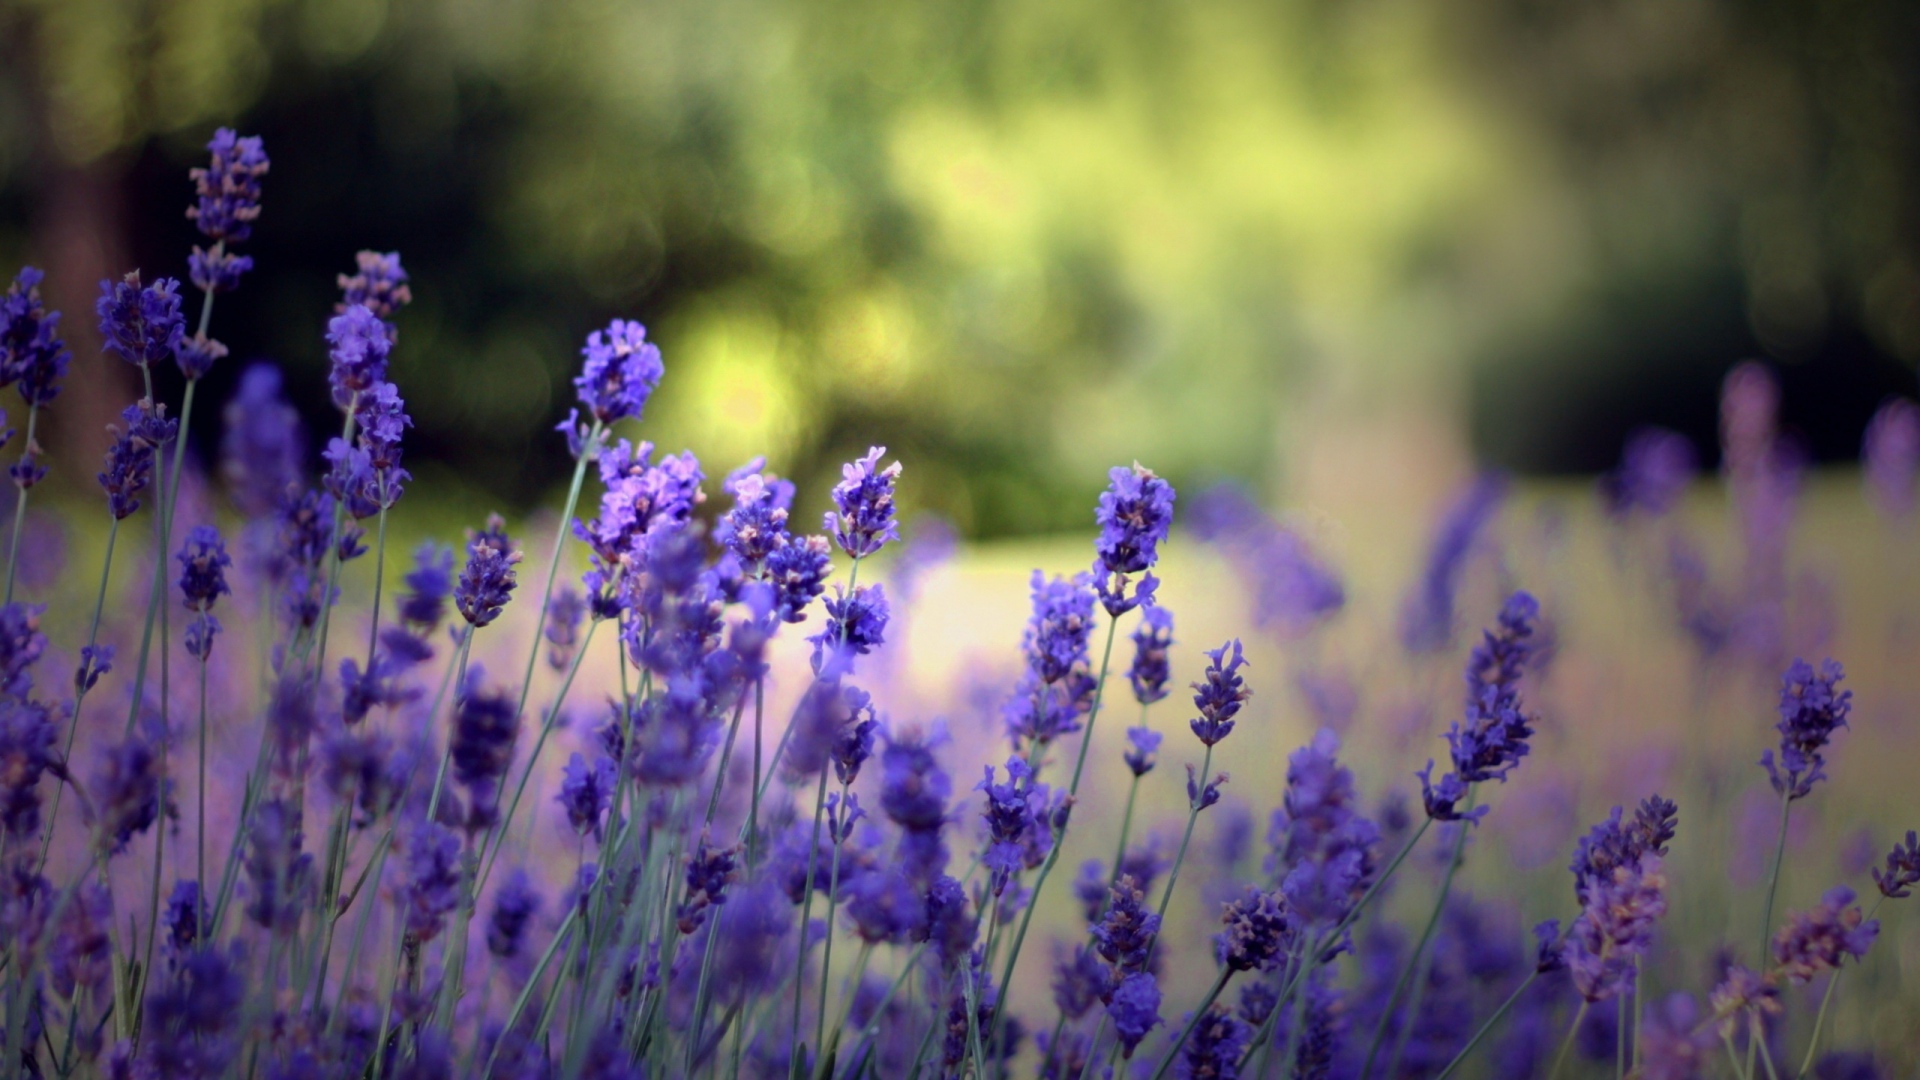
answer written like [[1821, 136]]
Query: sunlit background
[[1328, 248]]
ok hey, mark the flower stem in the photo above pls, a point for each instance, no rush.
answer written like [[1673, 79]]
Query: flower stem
[[1566, 1045], [1773, 880], [20, 504], [1461, 1057], [1419, 950], [80, 690], [806, 911], [826, 950]]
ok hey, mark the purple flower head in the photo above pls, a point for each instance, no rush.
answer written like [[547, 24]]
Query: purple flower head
[[82, 952], [1124, 935], [1442, 799], [203, 568], [487, 581], [1615, 843], [1427, 614], [130, 459], [196, 355], [825, 711], [1151, 641], [486, 725], [429, 583], [180, 921], [756, 526], [585, 791], [1202, 795], [228, 189], [263, 451], [279, 874], [378, 284], [383, 419], [852, 746], [1492, 738], [1323, 847], [1654, 472], [951, 928], [1214, 1048], [140, 324], [1143, 745], [1890, 457], [21, 646], [1812, 707], [1819, 938], [31, 353], [841, 815], [1260, 929], [1220, 694], [1293, 588], [885, 907], [798, 571], [514, 907], [27, 737], [1041, 712], [1017, 815], [129, 790], [1548, 956], [357, 345], [430, 880], [620, 370], [1134, 514], [1903, 869], [642, 501], [565, 613], [363, 766], [913, 794], [1622, 890], [1080, 981], [1134, 1009], [1055, 643], [1743, 996], [709, 871], [856, 625], [1674, 1045], [863, 521]]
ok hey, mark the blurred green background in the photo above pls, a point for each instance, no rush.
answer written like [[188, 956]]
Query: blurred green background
[[1315, 245]]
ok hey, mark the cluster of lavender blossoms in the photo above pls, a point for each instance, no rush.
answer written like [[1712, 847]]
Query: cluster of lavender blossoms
[[282, 856]]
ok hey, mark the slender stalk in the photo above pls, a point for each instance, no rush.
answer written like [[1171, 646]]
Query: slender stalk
[[806, 911], [1756, 1037], [156, 599], [1199, 1014], [80, 690], [379, 580], [1120, 850], [20, 504], [753, 806], [1733, 1057], [1566, 1046], [826, 950], [1620, 1037], [200, 823], [526, 992], [440, 777], [1180, 856], [1773, 879], [1819, 1019], [1486, 1028], [1414, 961]]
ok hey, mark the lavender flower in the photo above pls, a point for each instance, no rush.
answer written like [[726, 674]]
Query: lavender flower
[[756, 526], [21, 646], [27, 738], [140, 324], [1151, 641], [1492, 738], [1811, 707], [196, 355], [1896, 882], [913, 794], [378, 284], [1673, 1044], [1292, 587], [1134, 1009], [863, 521], [1143, 744], [1655, 469], [487, 581], [585, 791], [565, 613], [798, 572], [1819, 938], [1080, 981], [191, 1017], [1125, 935], [430, 881], [1742, 996], [279, 874], [885, 907], [1201, 795], [1323, 847], [1427, 614], [709, 871], [1620, 884], [1890, 456], [856, 625], [1214, 1048], [1220, 695], [128, 792], [1017, 820], [32, 356], [203, 564], [429, 583], [514, 907], [621, 369], [1134, 515], [263, 452], [229, 188], [130, 459], [485, 727], [852, 746], [1055, 643], [357, 345], [1260, 929]]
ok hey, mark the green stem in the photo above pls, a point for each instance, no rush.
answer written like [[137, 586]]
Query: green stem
[[80, 690], [826, 949], [1199, 1013], [200, 830], [156, 599], [1486, 1028], [526, 992], [1419, 950], [806, 910], [1566, 1046], [753, 806], [20, 504], [1757, 1037], [1773, 880], [379, 580], [1194, 807], [587, 452], [1819, 1019]]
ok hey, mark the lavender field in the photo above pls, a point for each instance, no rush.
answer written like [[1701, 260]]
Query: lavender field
[[308, 773]]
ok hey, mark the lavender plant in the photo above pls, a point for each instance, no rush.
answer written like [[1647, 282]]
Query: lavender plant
[[338, 914]]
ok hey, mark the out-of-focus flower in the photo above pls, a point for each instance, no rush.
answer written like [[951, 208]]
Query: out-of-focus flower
[[1654, 472], [1427, 614], [1819, 938]]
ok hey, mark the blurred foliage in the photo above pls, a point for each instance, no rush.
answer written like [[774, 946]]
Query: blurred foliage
[[1020, 242]]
